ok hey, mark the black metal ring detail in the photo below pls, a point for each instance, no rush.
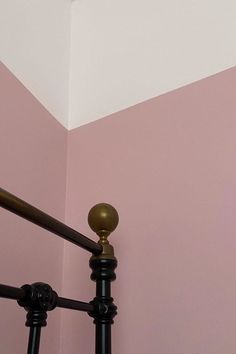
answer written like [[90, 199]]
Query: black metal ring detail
[[39, 299]]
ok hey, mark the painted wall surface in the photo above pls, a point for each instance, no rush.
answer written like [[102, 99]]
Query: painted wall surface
[[125, 52], [85, 59], [35, 46], [33, 166], [169, 167]]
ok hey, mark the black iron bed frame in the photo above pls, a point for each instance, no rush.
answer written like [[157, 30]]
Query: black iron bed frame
[[39, 298]]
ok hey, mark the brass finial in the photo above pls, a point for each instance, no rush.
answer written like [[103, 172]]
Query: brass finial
[[103, 219]]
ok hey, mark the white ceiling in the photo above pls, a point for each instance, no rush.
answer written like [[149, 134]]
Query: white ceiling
[[35, 46], [85, 59]]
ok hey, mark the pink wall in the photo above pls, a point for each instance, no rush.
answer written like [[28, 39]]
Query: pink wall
[[33, 166], [169, 167]]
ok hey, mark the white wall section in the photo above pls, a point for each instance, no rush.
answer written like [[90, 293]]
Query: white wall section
[[117, 53], [34, 45]]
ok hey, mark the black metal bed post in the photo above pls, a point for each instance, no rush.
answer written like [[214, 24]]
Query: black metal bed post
[[34, 340], [103, 219], [39, 298]]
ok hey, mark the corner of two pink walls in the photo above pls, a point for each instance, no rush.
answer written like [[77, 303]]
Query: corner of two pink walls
[[33, 166], [168, 166]]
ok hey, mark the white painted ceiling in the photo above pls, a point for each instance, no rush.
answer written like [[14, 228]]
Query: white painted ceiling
[[35, 46], [85, 59]]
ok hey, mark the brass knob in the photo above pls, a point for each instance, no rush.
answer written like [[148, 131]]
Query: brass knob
[[103, 219]]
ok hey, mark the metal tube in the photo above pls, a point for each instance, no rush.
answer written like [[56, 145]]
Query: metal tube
[[105, 310], [103, 338], [38, 217], [34, 340], [74, 305], [103, 325], [103, 219], [103, 288], [10, 292]]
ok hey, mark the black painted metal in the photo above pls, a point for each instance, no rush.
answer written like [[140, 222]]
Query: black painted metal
[[104, 308], [39, 298], [10, 292], [38, 217], [74, 305], [34, 340], [25, 294]]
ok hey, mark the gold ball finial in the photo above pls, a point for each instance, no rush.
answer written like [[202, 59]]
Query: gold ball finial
[[103, 219]]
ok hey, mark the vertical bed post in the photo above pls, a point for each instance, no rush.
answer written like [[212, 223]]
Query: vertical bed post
[[39, 298], [103, 219]]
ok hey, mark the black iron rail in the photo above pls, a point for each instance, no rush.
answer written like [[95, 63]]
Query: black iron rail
[[74, 305], [37, 299], [38, 217], [11, 292]]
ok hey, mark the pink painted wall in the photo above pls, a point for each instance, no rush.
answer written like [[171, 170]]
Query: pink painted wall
[[33, 166], [169, 167]]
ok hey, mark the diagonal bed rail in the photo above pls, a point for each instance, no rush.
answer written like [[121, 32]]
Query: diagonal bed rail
[[38, 217]]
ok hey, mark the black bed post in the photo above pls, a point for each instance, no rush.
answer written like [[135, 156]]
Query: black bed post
[[39, 298], [103, 219]]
